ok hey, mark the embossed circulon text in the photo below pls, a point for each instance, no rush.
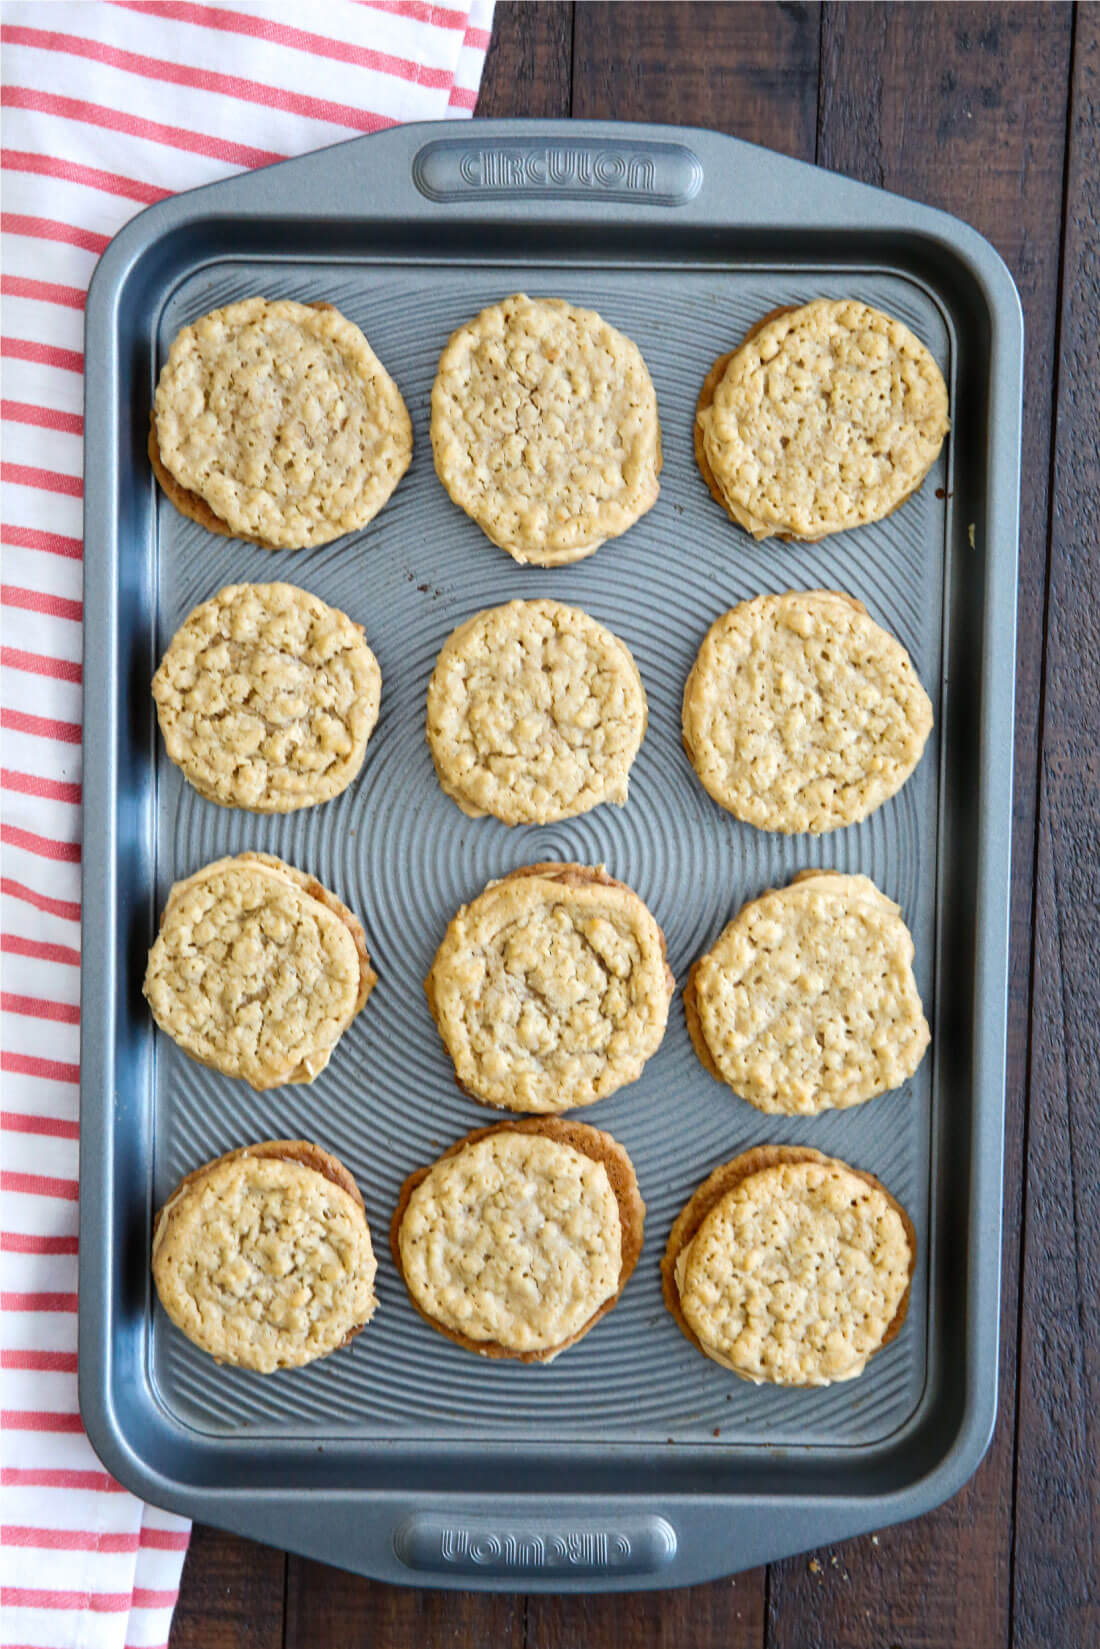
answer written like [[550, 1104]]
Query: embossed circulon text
[[481, 1545], [659, 174], [532, 1551], [557, 169]]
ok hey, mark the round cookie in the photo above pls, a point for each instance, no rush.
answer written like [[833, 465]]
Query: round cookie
[[545, 429], [825, 417], [550, 989], [263, 1258], [807, 1002], [257, 970], [789, 1267], [266, 698], [535, 712], [801, 713], [278, 420], [520, 1237]]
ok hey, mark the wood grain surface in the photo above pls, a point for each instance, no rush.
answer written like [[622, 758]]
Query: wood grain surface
[[990, 111], [1056, 1594]]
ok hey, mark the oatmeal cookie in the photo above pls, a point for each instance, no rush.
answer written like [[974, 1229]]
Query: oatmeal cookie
[[807, 1001], [550, 989], [803, 714], [545, 429], [257, 970], [789, 1267], [825, 417], [266, 698], [263, 1258], [521, 1237], [535, 713], [278, 420]]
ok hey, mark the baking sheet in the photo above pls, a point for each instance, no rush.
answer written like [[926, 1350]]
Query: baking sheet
[[402, 1422]]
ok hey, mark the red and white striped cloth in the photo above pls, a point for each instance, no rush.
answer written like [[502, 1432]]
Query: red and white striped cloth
[[106, 108]]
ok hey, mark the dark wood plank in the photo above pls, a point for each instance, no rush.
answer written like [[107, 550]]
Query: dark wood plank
[[963, 106], [231, 1596], [326, 1607], [726, 1615], [528, 69], [1056, 1592], [746, 69]]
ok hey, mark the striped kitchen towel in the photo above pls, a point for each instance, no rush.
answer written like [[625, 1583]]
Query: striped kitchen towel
[[106, 108]]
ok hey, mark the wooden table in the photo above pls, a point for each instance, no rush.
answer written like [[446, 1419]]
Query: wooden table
[[993, 112]]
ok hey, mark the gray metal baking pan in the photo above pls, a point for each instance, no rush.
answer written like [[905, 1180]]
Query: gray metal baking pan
[[632, 1461]]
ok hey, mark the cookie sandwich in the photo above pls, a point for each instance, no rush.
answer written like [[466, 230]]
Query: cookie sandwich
[[276, 422], [790, 1268], [266, 698], [550, 989], [535, 712], [826, 416], [263, 1258], [545, 428], [807, 1001], [520, 1237], [801, 713], [257, 970]]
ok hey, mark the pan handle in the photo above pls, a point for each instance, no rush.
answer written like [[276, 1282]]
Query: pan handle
[[514, 1551], [489, 165]]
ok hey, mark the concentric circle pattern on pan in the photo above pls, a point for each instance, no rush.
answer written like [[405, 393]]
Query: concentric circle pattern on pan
[[404, 858]]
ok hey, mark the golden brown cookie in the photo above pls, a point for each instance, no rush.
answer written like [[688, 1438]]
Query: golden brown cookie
[[807, 1000], [535, 713], [545, 428], [825, 417], [551, 989], [257, 970], [266, 698], [263, 1258], [801, 713], [790, 1267], [520, 1237], [278, 420]]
